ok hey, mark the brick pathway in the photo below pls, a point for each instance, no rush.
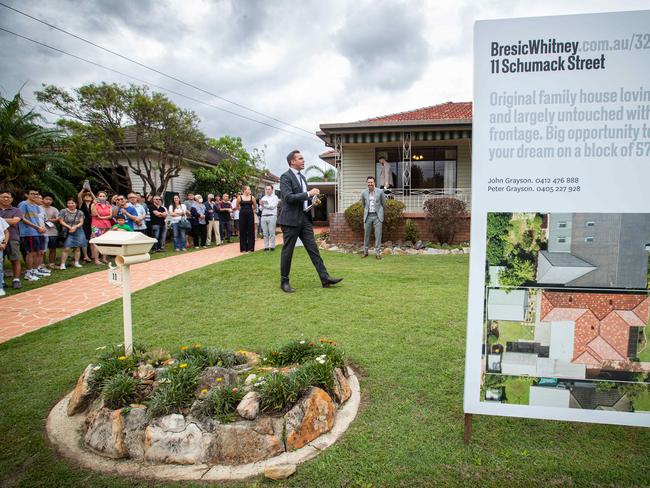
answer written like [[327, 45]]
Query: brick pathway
[[31, 310]]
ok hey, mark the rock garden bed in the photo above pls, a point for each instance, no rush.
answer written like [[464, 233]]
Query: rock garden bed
[[206, 413], [399, 248]]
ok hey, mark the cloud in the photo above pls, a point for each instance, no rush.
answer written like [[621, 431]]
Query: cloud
[[385, 42]]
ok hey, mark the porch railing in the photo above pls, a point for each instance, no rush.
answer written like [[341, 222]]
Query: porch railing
[[415, 200]]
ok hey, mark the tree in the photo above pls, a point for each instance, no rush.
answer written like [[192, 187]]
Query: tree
[[517, 272], [238, 168], [29, 155], [111, 125], [498, 227], [323, 174]]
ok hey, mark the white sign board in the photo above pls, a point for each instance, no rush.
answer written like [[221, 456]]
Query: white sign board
[[561, 209]]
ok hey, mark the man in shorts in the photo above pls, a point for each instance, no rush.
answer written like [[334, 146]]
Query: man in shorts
[[32, 234], [12, 216], [52, 232]]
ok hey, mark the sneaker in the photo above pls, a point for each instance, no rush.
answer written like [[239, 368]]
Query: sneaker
[[77, 264], [62, 266], [40, 274], [43, 271], [30, 276], [16, 285], [2, 292]]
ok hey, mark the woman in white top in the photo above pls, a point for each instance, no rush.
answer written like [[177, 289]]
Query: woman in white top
[[178, 215]]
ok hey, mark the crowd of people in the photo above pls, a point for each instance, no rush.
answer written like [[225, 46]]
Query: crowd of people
[[32, 231]]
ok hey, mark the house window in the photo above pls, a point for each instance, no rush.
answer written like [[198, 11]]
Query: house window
[[561, 240], [590, 223], [431, 168], [562, 225], [589, 239]]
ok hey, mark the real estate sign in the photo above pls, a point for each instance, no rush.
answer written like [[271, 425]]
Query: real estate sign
[[558, 301]]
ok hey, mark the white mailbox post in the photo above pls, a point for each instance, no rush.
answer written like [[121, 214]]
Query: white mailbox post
[[128, 248]]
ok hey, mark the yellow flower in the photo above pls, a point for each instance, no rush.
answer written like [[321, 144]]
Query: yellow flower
[[182, 365], [197, 346], [183, 348], [121, 358], [204, 391], [219, 380]]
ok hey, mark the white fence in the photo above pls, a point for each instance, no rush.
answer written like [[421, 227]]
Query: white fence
[[415, 200]]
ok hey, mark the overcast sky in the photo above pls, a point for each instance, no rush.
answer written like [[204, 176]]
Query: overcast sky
[[299, 61]]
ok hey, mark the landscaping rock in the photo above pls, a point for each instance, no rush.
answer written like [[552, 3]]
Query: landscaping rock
[[252, 358], [104, 433], [457, 251], [209, 378], [249, 406], [178, 447], [246, 441], [281, 472], [466, 250], [81, 394], [387, 251], [250, 379], [342, 389], [134, 423], [411, 252], [388, 244], [146, 372], [312, 416], [334, 248], [171, 423], [419, 245]]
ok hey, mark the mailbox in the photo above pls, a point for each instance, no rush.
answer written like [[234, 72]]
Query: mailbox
[[128, 247]]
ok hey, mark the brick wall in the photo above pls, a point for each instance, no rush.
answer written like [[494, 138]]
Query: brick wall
[[340, 232]]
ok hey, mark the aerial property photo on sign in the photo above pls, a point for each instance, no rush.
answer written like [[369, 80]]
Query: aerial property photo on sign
[[567, 310]]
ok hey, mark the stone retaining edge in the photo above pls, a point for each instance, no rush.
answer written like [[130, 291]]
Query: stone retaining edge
[[63, 431]]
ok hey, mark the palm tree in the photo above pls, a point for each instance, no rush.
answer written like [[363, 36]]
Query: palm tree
[[324, 174], [28, 152]]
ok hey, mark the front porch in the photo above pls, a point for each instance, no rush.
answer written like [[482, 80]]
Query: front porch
[[413, 200]]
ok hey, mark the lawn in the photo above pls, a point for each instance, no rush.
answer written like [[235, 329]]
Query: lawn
[[518, 390], [401, 320], [514, 331]]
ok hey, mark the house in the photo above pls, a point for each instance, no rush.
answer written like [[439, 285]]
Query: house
[[597, 330], [428, 152], [596, 250]]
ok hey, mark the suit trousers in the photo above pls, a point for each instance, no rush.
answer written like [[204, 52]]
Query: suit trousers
[[290, 234], [213, 227], [372, 221]]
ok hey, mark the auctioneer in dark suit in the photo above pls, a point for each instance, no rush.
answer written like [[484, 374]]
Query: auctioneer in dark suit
[[297, 223]]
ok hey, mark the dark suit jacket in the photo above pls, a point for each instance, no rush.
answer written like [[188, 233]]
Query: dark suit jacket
[[293, 199]]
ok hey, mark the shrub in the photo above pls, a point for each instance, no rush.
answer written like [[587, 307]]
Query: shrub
[[517, 272], [277, 391], [210, 356], [445, 216], [120, 390], [177, 389], [111, 362], [392, 215], [410, 231], [301, 350], [221, 402]]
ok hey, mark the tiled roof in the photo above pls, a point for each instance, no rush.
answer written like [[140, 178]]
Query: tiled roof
[[602, 322], [443, 111]]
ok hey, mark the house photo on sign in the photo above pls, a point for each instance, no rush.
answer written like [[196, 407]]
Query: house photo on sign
[[567, 311], [559, 302]]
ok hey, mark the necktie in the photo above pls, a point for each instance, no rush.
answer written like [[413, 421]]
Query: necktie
[[303, 186]]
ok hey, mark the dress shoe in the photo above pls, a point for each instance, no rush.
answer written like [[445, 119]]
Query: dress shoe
[[286, 287], [329, 281], [378, 256], [364, 255]]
